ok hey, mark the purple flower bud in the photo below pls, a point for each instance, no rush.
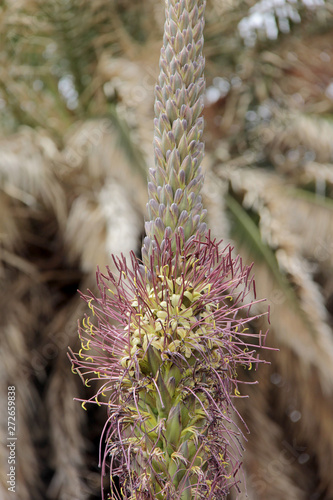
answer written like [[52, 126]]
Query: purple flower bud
[[174, 210], [171, 110], [161, 211], [168, 194], [178, 196], [153, 208], [152, 190], [183, 218], [182, 178]]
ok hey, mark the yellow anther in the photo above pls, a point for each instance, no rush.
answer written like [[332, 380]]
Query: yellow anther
[[86, 348], [99, 404], [83, 405], [91, 307], [89, 357], [86, 383], [80, 354]]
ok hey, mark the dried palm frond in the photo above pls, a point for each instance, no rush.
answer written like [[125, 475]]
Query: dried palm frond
[[27, 471], [293, 141], [108, 196], [20, 324], [28, 173], [271, 466], [67, 445], [300, 321], [66, 420]]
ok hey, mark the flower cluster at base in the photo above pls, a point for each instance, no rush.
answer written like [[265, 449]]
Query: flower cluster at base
[[169, 365]]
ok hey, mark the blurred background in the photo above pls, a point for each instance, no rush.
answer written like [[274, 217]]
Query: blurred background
[[76, 109]]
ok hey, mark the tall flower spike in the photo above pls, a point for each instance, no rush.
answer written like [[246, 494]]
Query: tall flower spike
[[169, 364], [176, 180]]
